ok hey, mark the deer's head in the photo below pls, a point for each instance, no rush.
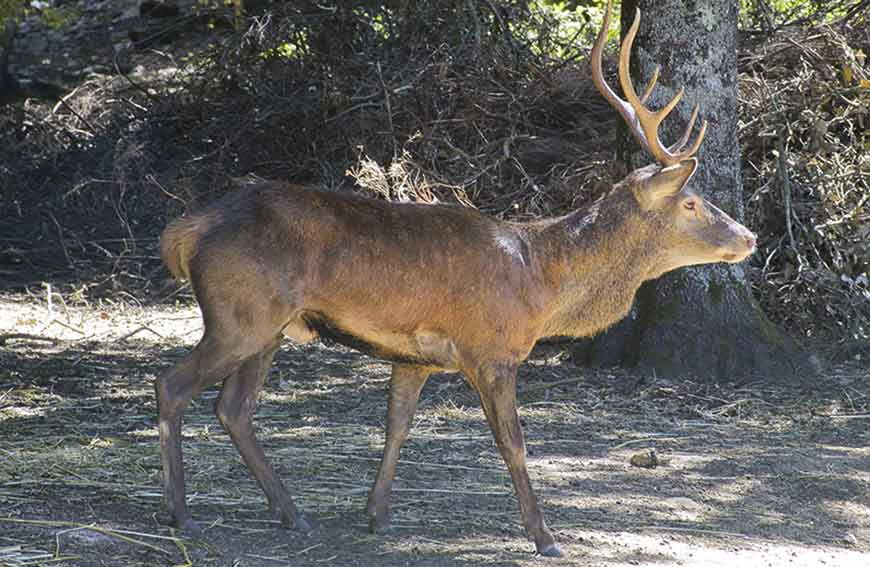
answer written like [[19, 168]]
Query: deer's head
[[693, 229]]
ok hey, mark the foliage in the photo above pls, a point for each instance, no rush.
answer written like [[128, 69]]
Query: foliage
[[457, 103], [580, 19], [57, 18], [570, 25], [10, 9], [53, 17], [770, 15]]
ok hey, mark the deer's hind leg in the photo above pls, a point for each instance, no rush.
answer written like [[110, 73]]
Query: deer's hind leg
[[241, 335], [235, 409], [212, 360]]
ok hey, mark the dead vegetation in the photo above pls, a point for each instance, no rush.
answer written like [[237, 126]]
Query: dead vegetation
[[448, 103], [805, 108]]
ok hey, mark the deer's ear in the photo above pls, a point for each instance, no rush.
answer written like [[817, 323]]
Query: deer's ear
[[666, 182]]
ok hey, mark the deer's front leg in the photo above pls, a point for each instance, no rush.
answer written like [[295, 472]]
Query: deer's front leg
[[406, 383], [496, 383]]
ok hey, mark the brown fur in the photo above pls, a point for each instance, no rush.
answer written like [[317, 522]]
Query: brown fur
[[179, 242], [426, 287]]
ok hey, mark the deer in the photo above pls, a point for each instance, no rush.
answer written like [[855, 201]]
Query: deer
[[427, 287]]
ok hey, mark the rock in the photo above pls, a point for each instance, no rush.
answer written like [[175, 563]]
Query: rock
[[647, 459]]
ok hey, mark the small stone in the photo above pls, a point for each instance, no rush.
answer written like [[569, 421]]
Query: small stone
[[647, 459]]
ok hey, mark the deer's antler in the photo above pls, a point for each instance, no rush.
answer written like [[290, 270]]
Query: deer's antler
[[643, 122]]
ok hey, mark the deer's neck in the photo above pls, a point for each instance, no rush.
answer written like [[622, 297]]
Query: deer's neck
[[597, 257]]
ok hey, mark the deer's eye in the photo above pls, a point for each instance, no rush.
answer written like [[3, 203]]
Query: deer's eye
[[689, 205]]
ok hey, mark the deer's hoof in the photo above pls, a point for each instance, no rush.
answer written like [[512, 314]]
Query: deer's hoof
[[551, 550], [292, 520], [379, 525]]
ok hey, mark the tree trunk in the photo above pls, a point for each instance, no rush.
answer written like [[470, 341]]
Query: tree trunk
[[699, 321]]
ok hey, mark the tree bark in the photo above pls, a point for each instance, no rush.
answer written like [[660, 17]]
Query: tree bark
[[699, 321]]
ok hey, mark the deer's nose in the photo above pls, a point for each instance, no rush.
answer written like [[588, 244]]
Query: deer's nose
[[750, 240]]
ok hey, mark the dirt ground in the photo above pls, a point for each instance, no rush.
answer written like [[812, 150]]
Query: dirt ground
[[764, 475]]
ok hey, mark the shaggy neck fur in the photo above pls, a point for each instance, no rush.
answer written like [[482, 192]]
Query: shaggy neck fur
[[598, 257]]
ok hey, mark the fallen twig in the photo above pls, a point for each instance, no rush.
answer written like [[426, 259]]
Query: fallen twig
[[642, 440], [842, 415], [138, 330], [4, 338]]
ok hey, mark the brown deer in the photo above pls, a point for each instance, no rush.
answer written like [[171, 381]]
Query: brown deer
[[427, 287]]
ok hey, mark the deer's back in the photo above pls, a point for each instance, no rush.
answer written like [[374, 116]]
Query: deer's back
[[375, 272]]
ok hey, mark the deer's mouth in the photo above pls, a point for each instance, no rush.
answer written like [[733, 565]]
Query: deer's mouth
[[733, 257], [737, 252]]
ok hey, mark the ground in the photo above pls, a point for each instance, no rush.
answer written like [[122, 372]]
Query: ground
[[765, 474]]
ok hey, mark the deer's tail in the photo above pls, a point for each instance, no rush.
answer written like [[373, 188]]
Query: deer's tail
[[180, 242]]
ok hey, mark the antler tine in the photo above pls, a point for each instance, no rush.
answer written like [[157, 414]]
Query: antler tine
[[627, 112], [647, 120], [642, 121], [694, 149], [685, 139], [676, 149], [652, 83], [640, 113]]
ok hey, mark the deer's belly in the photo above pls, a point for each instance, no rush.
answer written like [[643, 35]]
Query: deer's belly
[[423, 347]]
